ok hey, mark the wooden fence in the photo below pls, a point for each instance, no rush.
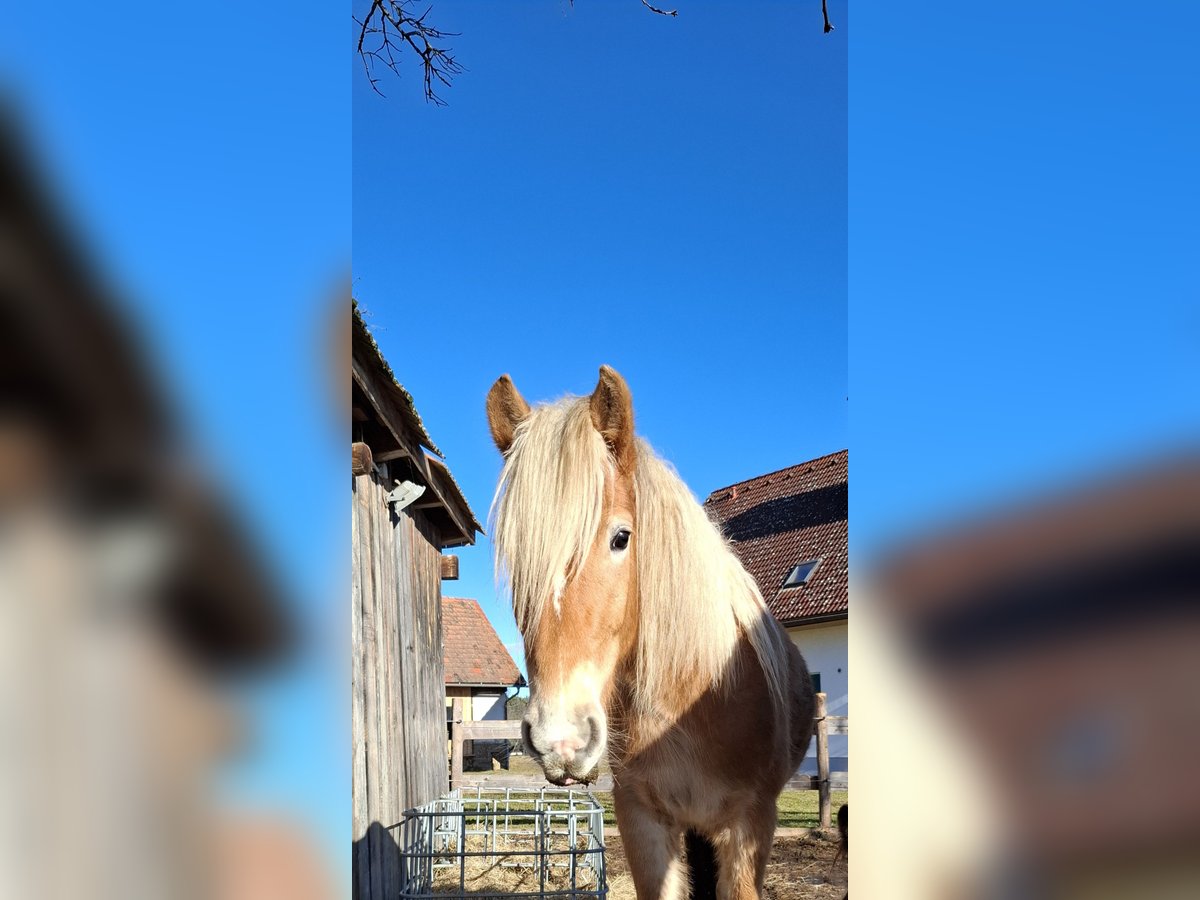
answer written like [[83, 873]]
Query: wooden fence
[[823, 782]]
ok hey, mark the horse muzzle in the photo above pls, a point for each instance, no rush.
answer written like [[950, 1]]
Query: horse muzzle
[[567, 750]]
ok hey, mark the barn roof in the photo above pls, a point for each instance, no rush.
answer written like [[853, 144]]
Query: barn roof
[[473, 652], [780, 520], [404, 400], [388, 421]]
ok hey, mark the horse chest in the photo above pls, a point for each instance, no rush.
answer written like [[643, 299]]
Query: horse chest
[[682, 793]]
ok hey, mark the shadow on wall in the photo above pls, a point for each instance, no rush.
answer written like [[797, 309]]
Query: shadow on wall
[[376, 862]]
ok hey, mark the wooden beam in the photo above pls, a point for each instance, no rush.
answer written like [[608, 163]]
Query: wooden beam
[[823, 760], [360, 459], [456, 743], [450, 568], [388, 455], [838, 781], [387, 410], [377, 393], [491, 731]]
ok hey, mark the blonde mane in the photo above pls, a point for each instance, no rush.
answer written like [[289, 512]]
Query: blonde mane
[[696, 600]]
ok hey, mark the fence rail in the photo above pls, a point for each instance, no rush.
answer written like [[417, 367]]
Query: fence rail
[[823, 782]]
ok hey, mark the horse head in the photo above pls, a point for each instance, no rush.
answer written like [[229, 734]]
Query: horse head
[[564, 528]]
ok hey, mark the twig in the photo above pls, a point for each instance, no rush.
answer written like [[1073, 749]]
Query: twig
[[423, 39], [661, 12], [824, 12]]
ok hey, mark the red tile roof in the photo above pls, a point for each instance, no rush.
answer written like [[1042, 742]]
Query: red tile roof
[[779, 520], [473, 653]]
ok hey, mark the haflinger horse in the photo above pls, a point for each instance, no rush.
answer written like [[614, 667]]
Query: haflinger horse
[[645, 637]]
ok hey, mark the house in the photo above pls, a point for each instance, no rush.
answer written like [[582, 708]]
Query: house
[[479, 671], [1060, 636], [788, 528], [407, 509]]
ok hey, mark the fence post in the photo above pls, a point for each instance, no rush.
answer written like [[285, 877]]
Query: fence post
[[823, 759], [456, 743]]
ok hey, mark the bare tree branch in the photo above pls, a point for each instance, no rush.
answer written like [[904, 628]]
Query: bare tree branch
[[391, 24], [661, 12]]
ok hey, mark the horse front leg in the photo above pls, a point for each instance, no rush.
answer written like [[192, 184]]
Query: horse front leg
[[743, 849], [653, 849]]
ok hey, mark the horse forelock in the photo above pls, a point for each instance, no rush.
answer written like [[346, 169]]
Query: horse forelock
[[548, 505]]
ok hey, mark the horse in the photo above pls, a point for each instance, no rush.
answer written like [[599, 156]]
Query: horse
[[644, 638]]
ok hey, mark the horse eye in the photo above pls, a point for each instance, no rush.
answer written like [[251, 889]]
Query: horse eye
[[620, 540]]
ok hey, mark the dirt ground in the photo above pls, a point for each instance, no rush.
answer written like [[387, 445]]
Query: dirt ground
[[801, 868], [807, 867]]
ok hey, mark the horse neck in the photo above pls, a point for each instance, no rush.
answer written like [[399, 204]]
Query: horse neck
[[643, 723], [685, 718]]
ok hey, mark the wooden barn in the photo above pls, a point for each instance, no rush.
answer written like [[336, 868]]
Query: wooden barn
[[407, 509]]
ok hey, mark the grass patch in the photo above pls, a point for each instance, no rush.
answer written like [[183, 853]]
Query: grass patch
[[801, 809], [797, 809]]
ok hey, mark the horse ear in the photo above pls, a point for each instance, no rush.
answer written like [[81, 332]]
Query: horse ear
[[612, 414], [506, 409]]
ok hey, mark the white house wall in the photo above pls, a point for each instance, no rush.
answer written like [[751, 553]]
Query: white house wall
[[487, 705], [825, 650]]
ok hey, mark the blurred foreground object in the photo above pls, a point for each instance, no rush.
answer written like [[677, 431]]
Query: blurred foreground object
[[128, 594], [1061, 641]]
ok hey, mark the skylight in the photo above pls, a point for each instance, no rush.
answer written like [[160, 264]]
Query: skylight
[[799, 575]]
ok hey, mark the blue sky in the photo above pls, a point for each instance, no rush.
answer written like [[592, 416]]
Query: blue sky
[[611, 186], [1023, 288]]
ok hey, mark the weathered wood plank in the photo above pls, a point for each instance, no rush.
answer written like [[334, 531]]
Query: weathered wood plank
[[361, 858], [493, 730], [391, 721], [367, 574], [449, 567], [504, 779], [838, 781], [456, 743]]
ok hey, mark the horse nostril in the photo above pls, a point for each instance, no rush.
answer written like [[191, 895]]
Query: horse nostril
[[593, 734]]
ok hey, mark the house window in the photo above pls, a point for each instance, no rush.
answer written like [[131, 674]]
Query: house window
[[816, 681], [799, 575]]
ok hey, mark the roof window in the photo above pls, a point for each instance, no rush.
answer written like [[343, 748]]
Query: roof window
[[800, 575]]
